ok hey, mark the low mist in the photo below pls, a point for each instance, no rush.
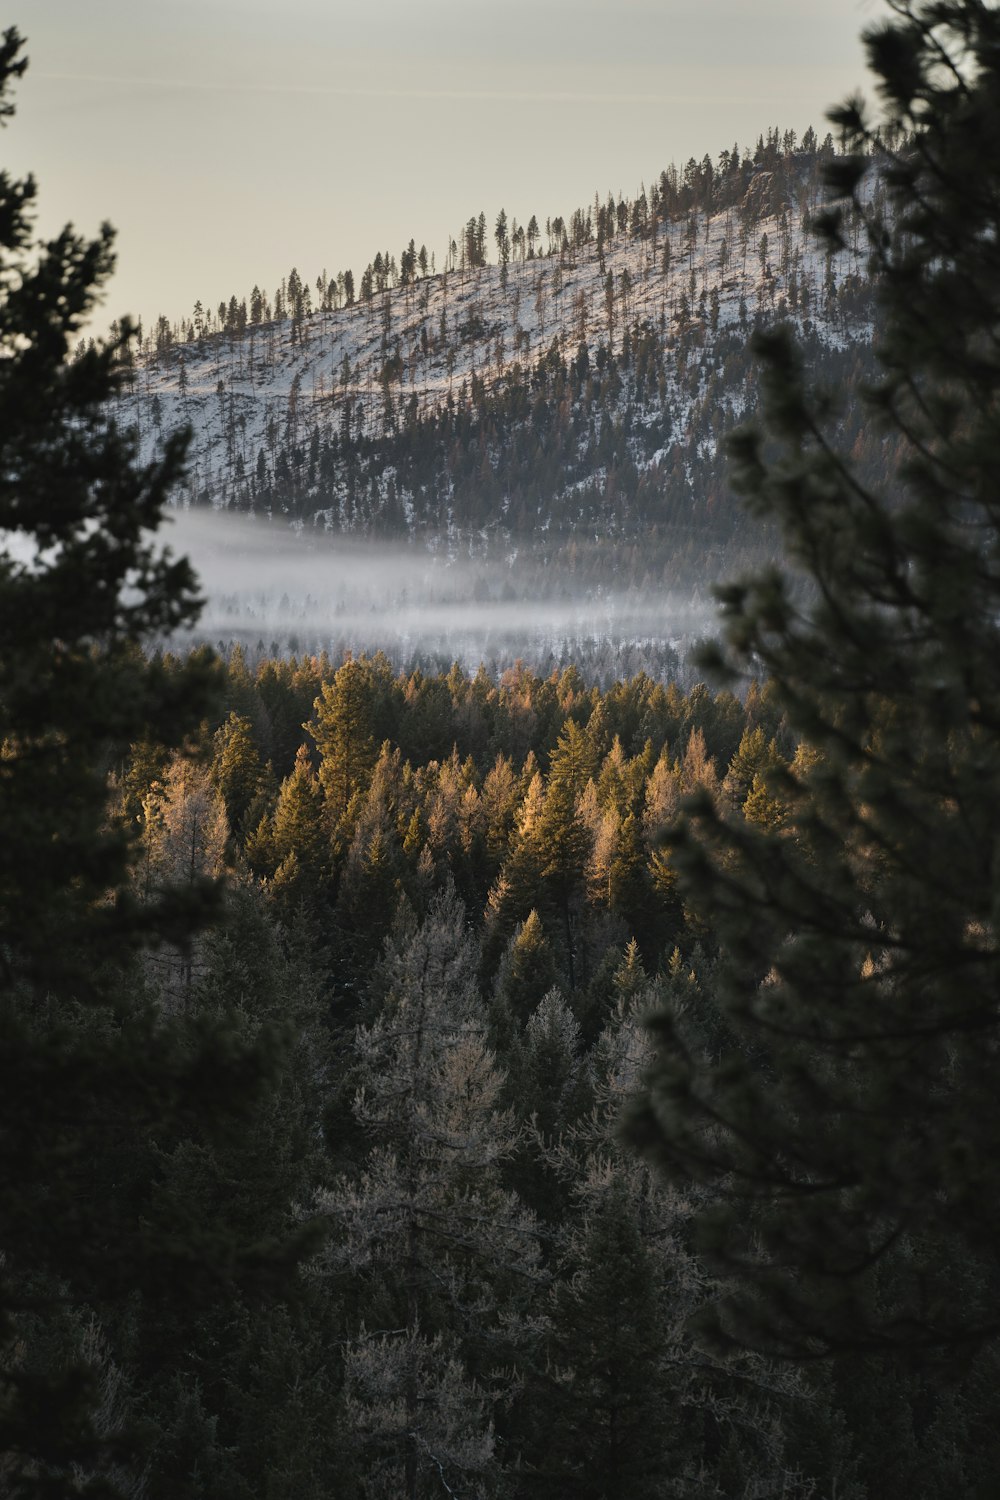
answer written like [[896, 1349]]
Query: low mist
[[278, 591]]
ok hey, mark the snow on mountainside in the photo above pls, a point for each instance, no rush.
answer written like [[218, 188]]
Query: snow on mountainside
[[409, 349], [565, 407]]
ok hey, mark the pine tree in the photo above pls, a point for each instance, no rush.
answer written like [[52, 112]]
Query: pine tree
[[443, 1257], [624, 1404], [850, 1130], [605, 1408], [298, 823], [526, 971], [85, 1066], [343, 727], [252, 1182], [236, 770]]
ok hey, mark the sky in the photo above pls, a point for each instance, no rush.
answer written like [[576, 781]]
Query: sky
[[229, 140]]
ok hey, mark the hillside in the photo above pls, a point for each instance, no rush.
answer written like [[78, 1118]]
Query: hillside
[[574, 394]]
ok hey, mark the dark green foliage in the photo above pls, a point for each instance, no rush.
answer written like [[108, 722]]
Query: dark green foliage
[[526, 972], [850, 1133], [81, 587], [442, 1255], [548, 1090], [248, 1367], [609, 1419], [92, 1070]]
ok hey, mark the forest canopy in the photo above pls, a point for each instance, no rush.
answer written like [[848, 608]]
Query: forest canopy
[[324, 985]]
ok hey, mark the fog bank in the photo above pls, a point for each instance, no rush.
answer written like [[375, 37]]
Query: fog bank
[[279, 591]]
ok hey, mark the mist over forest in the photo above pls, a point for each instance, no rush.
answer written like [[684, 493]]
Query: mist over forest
[[556, 417], [280, 590], [523, 459]]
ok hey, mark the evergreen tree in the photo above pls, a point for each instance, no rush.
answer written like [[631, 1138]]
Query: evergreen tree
[[224, 1355], [343, 727], [559, 837], [548, 1090], [85, 1066], [850, 1130], [625, 1405], [526, 971], [606, 1409], [236, 771], [442, 1256], [297, 829]]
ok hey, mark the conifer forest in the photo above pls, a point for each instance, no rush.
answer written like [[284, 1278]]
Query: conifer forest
[[563, 1072]]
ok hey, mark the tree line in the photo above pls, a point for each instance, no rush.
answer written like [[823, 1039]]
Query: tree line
[[780, 160]]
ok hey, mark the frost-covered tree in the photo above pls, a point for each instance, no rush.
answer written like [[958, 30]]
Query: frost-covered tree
[[625, 1404], [442, 1257]]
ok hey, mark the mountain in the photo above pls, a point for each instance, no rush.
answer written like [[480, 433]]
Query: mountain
[[569, 402]]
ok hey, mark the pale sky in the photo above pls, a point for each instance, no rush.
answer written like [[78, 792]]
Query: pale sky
[[228, 140]]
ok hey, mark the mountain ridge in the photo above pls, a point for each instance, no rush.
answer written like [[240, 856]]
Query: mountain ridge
[[578, 397]]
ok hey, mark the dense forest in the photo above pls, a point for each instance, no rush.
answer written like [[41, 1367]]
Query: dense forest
[[452, 1083], [454, 888]]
